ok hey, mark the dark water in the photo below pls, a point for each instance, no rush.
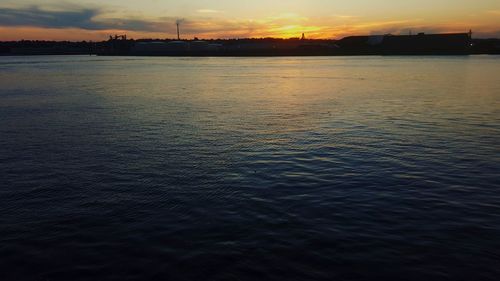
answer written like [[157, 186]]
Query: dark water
[[367, 168]]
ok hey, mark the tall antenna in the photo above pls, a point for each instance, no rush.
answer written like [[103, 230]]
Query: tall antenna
[[178, 23], [178, 33]]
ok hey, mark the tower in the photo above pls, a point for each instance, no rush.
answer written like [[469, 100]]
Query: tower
[[178, 32]]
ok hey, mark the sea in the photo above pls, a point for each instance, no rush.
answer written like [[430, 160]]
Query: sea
[[265, 168]]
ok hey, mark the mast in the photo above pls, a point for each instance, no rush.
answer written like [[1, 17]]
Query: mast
[[178, 33]]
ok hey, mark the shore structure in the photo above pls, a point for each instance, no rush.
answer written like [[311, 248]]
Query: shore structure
[[419, 44], [120, 45]]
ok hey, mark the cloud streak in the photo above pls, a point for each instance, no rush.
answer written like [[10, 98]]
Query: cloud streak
[[34, 16], [94, 19], [208, 11], [83, 18]]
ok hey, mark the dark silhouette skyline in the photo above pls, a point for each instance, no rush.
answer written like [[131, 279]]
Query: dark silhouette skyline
[[414, 44]]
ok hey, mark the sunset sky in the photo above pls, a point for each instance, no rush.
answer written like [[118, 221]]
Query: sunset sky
[[95, 20]]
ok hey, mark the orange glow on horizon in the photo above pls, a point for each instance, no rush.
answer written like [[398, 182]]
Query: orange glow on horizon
[[260, 29]]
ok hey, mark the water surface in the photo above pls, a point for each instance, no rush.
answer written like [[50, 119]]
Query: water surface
[[349, 168]]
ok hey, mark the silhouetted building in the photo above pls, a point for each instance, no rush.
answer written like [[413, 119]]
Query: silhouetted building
[[420, 44], [427, 44]]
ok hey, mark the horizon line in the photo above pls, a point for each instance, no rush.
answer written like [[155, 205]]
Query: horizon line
[[195, 38]]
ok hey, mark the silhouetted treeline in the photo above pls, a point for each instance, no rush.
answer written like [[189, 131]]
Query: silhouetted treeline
[[486, 46], [37, 47]]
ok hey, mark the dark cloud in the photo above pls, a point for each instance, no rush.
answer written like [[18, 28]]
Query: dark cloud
[[84, 18], [95, 19], [34, 16]]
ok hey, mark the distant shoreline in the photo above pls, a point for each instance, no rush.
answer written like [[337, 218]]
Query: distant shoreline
[[246, 56], [373, 45]]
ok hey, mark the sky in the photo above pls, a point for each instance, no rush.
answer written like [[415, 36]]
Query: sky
[[322, 19]]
